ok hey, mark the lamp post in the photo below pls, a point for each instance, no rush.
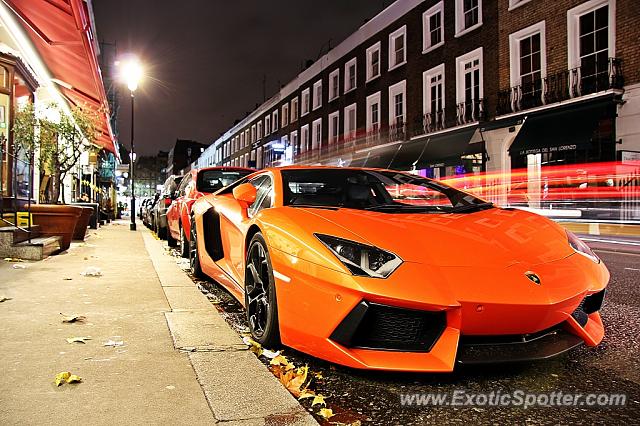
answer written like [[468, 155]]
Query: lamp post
[[132, 73]]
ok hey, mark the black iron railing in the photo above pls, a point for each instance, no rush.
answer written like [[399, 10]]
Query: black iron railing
[[560, 86]]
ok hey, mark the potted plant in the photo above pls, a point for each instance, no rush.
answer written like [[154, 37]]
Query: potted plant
[[56, 144]]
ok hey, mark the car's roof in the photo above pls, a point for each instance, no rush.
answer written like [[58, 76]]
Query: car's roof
[[240, 169], [299, 167]]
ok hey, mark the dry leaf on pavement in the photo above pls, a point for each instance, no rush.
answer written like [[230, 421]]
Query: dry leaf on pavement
[[73, 318], [307, 394], [254, 346], [326, 413], [279, 360], [19, 266], [113, 343], [13, 259], [319, 399], [4, 299], [67, 377], [77, 339]]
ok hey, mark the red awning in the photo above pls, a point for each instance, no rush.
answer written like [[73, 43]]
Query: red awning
[[61, 32]]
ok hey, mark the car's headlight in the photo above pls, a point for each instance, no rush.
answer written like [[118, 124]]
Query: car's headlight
[[361, 259], [581, 248]]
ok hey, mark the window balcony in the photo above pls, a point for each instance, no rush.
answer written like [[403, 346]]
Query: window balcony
[[562, 86]]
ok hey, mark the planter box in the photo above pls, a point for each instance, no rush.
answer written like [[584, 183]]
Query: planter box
[[83, 222], [56, 219]]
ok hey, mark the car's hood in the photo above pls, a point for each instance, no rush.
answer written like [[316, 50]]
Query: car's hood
[[497, 237]]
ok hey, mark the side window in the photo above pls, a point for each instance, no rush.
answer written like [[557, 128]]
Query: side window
[[264, 194], [183, 185]]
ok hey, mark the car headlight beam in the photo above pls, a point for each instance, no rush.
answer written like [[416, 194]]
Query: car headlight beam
[[361, 259], [581, 247]]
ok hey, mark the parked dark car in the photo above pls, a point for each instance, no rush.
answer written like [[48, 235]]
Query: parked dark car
[[167, 195]]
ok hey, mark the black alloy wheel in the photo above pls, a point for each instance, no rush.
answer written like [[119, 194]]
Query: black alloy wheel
[[194, 258], [184, 243], [260, 294]]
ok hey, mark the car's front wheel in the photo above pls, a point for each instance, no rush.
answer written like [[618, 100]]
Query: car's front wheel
[[260, 294], [194, 258]]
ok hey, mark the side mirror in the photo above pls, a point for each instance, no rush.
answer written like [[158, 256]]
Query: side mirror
[[245, 194]]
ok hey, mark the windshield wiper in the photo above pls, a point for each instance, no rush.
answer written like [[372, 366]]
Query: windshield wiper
[[470, 207]]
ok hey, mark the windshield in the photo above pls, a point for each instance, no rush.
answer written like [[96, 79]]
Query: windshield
[[212, 180], [385, 191]]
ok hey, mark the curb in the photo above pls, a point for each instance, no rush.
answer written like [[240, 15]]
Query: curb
[[608, 229]]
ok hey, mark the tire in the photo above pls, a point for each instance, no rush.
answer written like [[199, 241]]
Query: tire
[[172, 242], [184, 244], [260, 294], [194, 256], [162, 233]]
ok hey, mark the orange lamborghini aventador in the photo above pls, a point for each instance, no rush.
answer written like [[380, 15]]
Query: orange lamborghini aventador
[[381, 269]]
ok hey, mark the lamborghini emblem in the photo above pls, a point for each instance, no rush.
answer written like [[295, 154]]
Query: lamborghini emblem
[[533, 277]]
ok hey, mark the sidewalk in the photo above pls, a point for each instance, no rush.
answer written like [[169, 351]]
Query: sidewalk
[[604, 229], [144, 300]]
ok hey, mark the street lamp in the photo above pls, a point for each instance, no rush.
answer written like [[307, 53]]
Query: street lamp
[[131, 74]]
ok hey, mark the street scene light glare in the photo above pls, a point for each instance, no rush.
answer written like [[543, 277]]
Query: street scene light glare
[[131, 72]]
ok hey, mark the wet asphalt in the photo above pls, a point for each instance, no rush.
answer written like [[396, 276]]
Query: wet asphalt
[[611, 368]]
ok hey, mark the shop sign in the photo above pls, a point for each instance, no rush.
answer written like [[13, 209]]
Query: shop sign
[[559, 148]]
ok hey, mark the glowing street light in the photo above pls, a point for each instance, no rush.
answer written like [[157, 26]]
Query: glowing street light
[[131, 73]]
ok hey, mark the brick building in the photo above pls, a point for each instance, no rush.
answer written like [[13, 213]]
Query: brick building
[[458, 86]]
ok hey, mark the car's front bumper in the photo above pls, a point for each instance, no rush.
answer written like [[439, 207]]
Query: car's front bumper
[[315, 302]]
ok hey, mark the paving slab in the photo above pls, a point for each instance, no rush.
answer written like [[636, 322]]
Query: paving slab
[[240, 388], [202, 329], [186, 298]]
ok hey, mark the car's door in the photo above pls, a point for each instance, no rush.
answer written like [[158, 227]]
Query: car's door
[[234, 225], [173, 213]]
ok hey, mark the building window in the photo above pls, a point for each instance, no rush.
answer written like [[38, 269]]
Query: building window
[[373, 114], [317, 94], [260, 134], [334, 85], [432, 28], [397, 47], [350, 126], [295, 142], [267, 125], [253, 133], [469, 86], [350, 75], [517, 3], [591, 38], [306, 102], [316, 138], [397, 104], [274, 120], [468, 16], [373, 61], [433, 99], [305, 141], [334, 127], [294, 109], [527, 65], [242, 140], [285, 114]]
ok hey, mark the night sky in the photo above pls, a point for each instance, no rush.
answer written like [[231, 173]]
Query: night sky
[[206, 59]]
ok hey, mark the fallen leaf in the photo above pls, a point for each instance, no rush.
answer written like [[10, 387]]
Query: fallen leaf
[[73, 318], [318, 400], [307, 394], [13, 259], [265, 352], [67, 279], [326, 413], [318, 376], [113, 343], [77, 339], [19, 266], [296, 380], [279, 360], [74, 379], [62, 377], [254, 346], [4, 299]]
